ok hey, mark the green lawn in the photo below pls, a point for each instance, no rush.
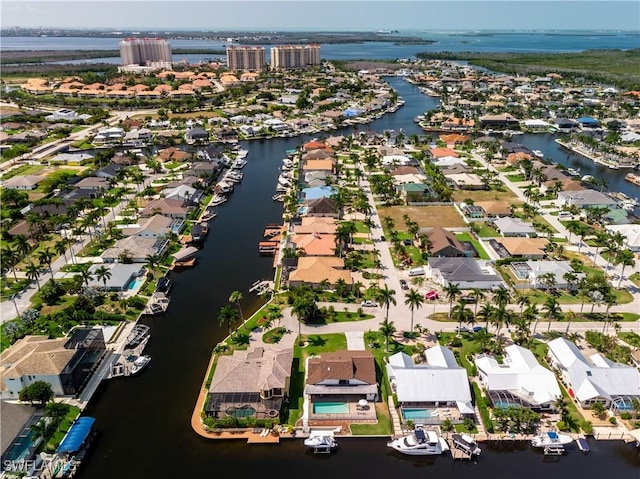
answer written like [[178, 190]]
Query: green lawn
[[478, 246]]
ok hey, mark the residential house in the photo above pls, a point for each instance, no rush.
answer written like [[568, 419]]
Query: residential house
[[493, 209], [119, 278], [596, 379], [467, 181], [255, 381], [187, 194], [519, 247], [466, 272], [109, 172], [196, 135], [444, 243], [135, 249], [584, 199], [416, 192], [173, 208], [93, 183], [64, 363], [556, 269], [348, 375], [314, 270], [315, 224], [508, 226], [631, 233], [518, 381], [156, 226], [322, 207], [315, 244], [438, 382], [23, 182]]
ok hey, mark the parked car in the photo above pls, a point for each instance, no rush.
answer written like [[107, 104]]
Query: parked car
[[404, 284], [407, 242], [432, 295], [477, 329], [369, 302], [468, 299], [462, 329]]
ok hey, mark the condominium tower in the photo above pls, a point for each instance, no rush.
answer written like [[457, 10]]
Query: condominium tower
[[140, 51], [246, 58], [286, 57]]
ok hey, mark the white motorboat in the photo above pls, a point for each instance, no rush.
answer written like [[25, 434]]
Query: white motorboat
[[139, 364], [420, 443], [321, 441], [466, 443], [538, 153], [239, 164], [551, 439]]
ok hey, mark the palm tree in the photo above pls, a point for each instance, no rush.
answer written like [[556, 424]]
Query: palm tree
[[500, 316], [152, 261], [626, 258], [32, 273], [44, 258], [477, 294], [61, 249], [86, 276], [551, 310], [103, 274], [414, 300], [387, 329], [11, 258], [22, 244], [236, 297], [523, 301], [502, 296], [569, 316], [453, 291], [461, 314], [227, 315], [386, 297]]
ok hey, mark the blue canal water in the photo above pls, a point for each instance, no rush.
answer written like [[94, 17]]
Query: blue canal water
[[144, 421]]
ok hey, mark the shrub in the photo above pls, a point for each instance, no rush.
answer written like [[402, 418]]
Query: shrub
[[586, 427], [562, 426], [613, 420], [446, 425], [625, 415]]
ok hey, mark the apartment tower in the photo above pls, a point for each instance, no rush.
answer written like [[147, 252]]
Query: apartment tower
[[140, 51], [246, 58], [287, 57]]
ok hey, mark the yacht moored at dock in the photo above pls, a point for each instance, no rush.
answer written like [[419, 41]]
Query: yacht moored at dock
[[420, 442], [551, 439]]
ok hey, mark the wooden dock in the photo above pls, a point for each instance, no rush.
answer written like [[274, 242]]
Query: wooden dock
[[458, 454]]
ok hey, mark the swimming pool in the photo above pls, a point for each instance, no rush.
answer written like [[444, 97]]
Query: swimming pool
[[505, 404], [330, 408], [137, 282], [241, 412], [418, 413]]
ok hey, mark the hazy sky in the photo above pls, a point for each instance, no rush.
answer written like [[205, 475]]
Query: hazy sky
[[324, 15]]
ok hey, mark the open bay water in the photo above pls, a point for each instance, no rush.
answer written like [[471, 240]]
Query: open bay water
[[144, 421]]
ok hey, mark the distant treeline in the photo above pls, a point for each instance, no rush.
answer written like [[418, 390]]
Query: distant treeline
[[614, 67]]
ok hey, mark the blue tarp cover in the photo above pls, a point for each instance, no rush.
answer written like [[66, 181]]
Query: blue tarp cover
[[552, 435], [76, 435]]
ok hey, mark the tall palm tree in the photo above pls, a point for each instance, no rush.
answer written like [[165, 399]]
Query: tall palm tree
[[86, 276], [387, 329], [32, 273], [44, 258], [22, 244], [227, 315], [386, 297], [486, 312], [551, 310], [61, 249], [502, 296], [523, 301], [500, 316], [414, 300], [462, 314], [103, 274], [236, 297], [11, 257], [477, 294], [626, 258], [152, 261], [452, 291]]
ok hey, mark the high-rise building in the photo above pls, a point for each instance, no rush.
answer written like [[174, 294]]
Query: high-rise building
[[286, 57], [246, 58], [140, 51]]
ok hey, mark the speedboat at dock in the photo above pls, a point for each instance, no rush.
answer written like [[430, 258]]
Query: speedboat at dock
[[139, 364], [466, 443], [551, 438], [321, 441]]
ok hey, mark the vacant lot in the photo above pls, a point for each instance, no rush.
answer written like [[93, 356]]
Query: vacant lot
[[425, 216], [485, 195]]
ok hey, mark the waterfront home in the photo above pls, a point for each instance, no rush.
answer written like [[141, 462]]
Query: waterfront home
[[187, 194], [135, 249], [109, 136], [503, 120], [345, 375], [518, 247], [444, 243], [448, 161], [252, 383], [314, 244], [325, 207], [518, 381], [314, 225], [155, 226], [495, 208], [172, 154], [631, 233], [585, 198], [196, 135], [121, 276], [509, 226], [467, 273], [438, 381], [314, 270], [64, 363], [596, 379], [173, 208], [314, 193]]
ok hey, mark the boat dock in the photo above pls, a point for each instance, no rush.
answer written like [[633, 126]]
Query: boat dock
[[459, 454]]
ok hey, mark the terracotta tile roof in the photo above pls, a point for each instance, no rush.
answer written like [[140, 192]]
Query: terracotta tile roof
[[342, 365]]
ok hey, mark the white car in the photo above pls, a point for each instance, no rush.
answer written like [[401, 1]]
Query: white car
[[368, 302]]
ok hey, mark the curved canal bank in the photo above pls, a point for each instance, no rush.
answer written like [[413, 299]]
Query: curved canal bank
[[145, 421]]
